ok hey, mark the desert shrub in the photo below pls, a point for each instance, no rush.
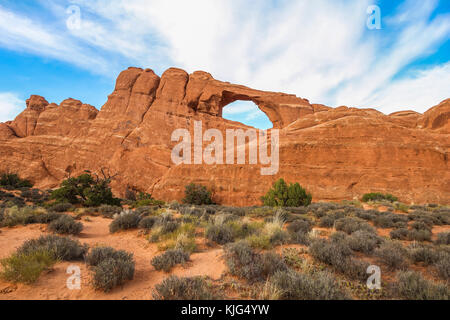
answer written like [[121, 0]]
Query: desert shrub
[[125, 221], [18, 216], [109, 211], [61, 207], [363, 241], [245, 263], [174, 288], [368, 215], [197, 194], [393, 255], [399, 234], [421, 225], [390, 220], [290, 285], [65, 225], [412, 286], [443, 238], [26, 267], [86, 190], [419, 235], [443, 266], [338, 255], [329, 220], [186, 243], [299, 231], [422, 217], [282, 195], [303, 226], [351, 224], [150, 202], [378, 197], [35, 195], [440, 218], [147, 223], [111, 267], [48, 217], [220, 234], [259, 241], [170, 259], [425, 254], [12, 181], [62, 248], [111, 273]]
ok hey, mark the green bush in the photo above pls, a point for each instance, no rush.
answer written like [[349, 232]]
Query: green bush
[[62, 248], [174, 288], [65, 225], [26, 268], [412, 286], [86, 190], [243, 262], [393, 255], [378, 197], [197, 194], [290, 285], [170, 259], [12, 181], [282, 195], [126, 221], [111, 267]]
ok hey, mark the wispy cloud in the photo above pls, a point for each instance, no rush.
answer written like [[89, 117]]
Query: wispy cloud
[[320, 50], [10, 105]]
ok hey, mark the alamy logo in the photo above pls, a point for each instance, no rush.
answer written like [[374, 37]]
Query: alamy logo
[[214, 153]]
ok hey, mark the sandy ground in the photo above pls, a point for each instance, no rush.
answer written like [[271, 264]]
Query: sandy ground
[[52, 284]]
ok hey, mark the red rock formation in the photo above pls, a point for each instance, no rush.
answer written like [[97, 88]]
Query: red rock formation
[[337, 153]]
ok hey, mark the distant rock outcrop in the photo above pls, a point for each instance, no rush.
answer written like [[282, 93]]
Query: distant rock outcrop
[[336, 154]]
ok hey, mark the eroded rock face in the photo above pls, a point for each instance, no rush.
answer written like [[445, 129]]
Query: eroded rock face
[[336, 154]]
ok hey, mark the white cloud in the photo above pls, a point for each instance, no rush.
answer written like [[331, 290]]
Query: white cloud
[[24, 34], [320, 50], [425, 89], [10, 106]]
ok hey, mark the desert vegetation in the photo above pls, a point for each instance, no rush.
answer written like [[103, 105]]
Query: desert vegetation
[[288, 248]]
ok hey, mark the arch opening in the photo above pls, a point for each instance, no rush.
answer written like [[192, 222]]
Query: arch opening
[[248, 113]]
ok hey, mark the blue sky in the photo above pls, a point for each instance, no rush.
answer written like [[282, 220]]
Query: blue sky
[[321, 50]]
